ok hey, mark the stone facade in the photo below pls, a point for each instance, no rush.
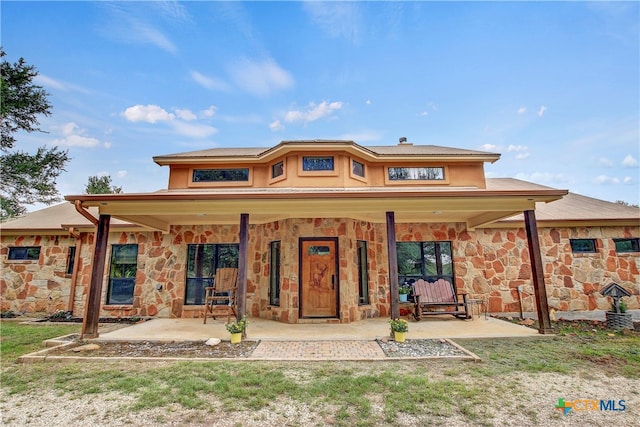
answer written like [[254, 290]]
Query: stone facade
[[491, 264]]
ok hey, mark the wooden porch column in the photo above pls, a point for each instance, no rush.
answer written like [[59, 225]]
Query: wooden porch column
[[393, 265], [92, 310], [242, 265], [537, 272]]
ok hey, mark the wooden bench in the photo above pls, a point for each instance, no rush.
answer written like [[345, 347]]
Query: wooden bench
[[439, 297]]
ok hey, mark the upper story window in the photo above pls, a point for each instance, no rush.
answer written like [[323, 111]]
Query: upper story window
[[317, 163], [26, 253], [416, 173], [221, 175], [627, 245], [583, 246], [357, 168], [277, 169]]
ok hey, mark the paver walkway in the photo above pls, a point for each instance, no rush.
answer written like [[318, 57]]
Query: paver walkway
[[318, 350]]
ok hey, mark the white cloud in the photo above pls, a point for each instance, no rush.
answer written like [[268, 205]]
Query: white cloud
[[194, 130], [107, 145], [147, 113], [43, 80], [522, 110], [182, 121], [185, 114], [522, 156], [604, 162], [542, 110], [124, 26], [338, 19], [121, 173], [313, 113], [174, 10], [424, 113], [276, 125], [368, 102], [627, 180], [517, 148], [260, 78], [74, 136], [547, 178], [629, 161], [490, 147], [209, 112], [50, 82], [209, 82], [605, 179]]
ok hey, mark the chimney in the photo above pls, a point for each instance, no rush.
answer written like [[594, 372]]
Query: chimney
[[403, 141]]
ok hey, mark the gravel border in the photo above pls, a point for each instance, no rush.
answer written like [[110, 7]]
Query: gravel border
[[423, 348]]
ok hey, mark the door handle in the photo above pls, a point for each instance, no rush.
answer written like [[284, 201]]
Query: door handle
[[333, 282]]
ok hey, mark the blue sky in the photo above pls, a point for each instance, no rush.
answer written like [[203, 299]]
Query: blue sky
[[552, 86]]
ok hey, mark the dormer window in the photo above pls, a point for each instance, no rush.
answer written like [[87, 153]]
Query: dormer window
[[277, 169], [221, 175], [357, 168], [317, 163], [416, 174]]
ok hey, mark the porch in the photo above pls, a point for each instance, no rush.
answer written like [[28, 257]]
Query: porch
[[181, 329]]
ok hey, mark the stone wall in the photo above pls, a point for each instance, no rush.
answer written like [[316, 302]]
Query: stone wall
[[40, 286], [490, 264]]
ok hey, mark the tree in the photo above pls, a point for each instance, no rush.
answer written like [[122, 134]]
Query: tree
[[623, 203], [25, 178], [101, 185]]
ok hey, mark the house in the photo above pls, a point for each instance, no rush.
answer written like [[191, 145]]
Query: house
[[320, 230]]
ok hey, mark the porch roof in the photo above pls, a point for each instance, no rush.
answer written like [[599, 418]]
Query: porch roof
[[501, 199]]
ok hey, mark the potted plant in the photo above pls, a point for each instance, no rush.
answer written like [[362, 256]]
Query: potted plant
[[399, 327], [403, 291], [236, 329]]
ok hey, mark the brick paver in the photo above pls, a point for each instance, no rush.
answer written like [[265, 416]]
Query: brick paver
[[318, 350]]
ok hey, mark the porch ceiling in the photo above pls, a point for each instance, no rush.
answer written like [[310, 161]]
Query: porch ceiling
[[161, 210]]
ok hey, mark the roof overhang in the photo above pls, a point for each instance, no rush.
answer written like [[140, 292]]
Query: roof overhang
[[474, 207], [256, 156]]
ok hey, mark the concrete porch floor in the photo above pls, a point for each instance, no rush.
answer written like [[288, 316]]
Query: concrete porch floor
[[269, 330]]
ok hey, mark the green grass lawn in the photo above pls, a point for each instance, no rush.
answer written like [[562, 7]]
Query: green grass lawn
[[432, 389]]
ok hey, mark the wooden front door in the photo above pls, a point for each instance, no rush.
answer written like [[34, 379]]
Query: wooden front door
[[318, 277]]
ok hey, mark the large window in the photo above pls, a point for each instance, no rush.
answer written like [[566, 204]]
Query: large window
[[27, 253], [202, 263], [627, 245], [221, 175], [416, 174], [582, 246], [424, 260], [122, 275], [317, 163], [274, 273], [363, 272]]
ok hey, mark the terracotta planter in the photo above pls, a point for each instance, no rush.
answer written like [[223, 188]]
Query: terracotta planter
[[236, 338], [399, 336]]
